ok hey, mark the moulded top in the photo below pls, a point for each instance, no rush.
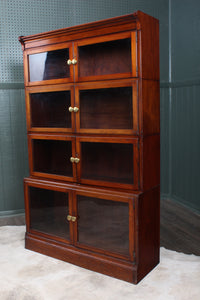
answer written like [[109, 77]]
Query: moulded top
[[126, 22]]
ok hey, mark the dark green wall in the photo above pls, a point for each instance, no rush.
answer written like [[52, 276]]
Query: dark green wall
[[13, 149], [185, 103], [22, 17]]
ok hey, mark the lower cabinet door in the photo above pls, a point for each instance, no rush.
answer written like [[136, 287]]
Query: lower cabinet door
[[105, 224], [95, 220], [48, 210]]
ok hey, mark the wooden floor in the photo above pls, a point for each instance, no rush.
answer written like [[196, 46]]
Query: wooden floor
[[179, 230], [12, 220]]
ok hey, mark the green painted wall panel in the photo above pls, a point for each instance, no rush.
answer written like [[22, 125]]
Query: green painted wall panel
[[185, 105], [185, 40], [13, 149], [164, 140], [185, 147]]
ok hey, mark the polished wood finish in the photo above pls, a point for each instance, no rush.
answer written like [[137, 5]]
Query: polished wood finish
[[50, 74], [48, 212], [148, 209], [108, 161], [148, 50], [149, 162], [47, 108], [107, 107], [92, 109], [96, 57], [49, 156]]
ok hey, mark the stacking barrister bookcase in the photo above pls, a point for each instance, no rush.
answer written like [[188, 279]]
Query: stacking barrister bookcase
[[92, 107]]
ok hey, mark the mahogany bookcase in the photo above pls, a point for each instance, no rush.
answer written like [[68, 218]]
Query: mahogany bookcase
[[93, 125]]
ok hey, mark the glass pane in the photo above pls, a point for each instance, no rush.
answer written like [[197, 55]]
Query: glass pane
[[52, 156], [106, 108], [103, 224], [50, 109], [105, 58], [48, 212], [107, 161], [49, 65]]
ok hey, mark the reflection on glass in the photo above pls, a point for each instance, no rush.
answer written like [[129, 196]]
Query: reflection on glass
[[50, 109], [105, 58], [103, 224], [49, 65], [48, 212], [106, 108], [52, 157], [107, 161]]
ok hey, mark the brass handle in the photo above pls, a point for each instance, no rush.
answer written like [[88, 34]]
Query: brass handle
[[69, 62], [76, 160], [69, 218], [74, 61], [72, 159], [71, 109], [76, 109], [73, 219]]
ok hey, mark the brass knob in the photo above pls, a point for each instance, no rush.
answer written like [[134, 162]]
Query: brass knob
[[69, 218], [74, 61], [71, 109], [73, 219], [76, 109], [76, 160], [72, 159], [69, 62]]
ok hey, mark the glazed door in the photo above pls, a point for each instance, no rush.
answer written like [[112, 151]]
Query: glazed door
[[105, 224], [48, 109], [50, 157], [48, 64], [111, 56], [107, 108], [48, 211], [111, 162]]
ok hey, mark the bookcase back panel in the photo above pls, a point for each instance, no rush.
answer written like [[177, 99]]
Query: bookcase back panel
[[49, 65], [106, 108], [111, 162], [52, 157], [50, 109], [103, 224], [106, 58], [48, 212]]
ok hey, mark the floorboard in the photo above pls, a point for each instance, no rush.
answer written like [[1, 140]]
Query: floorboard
[[180, 228]]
